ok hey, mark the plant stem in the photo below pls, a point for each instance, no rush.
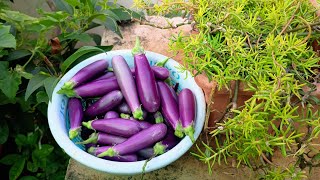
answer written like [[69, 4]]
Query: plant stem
[[31, 57], [290, 20], [170, 26], [309, 30], [303, 27]]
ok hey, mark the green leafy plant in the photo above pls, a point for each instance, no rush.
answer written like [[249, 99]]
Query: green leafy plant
[[266, 45], [35, 52]]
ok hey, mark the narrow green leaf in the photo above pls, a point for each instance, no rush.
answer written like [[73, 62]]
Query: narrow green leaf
[[4, 131], [109, 23], [126, 14], [80, 52], [10, 84], [50, 84], [17, 54], [105, 48], [83, 37], [17, 16], [96, 38], [17, 168], [36, 82], [63, 6], [73, 3], [42, 97], [10, 159]]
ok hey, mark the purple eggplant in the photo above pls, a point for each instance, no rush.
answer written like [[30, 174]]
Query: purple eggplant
[[169, 108], [104, 104], [173, 92], [146, 153], [111, 114], [127, 85], [104, 138], [187, 110], [141, 140], [115, 126], [94, 88], [124, 108], [158, 118], [125, 158], [161, 147], [75, 116], [144, 124], [145, 80], [85, 74], [106, 75], [160, 73]]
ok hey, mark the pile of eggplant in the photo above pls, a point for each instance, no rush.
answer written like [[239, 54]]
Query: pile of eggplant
[[131, 114]]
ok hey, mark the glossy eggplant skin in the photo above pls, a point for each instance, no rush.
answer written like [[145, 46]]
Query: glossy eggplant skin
[[104, 104], [111, 114], [116, 126], [125, 158], [141, 140], [160, 73], [169, 108], [146, 83], [106, 75], [127, 85], [124, 108], [86, 74], [187, 110], [97, 88], [103, 139], [169, 141], [75, 116]]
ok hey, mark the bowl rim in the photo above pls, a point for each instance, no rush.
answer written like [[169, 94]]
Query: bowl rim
[[128, 168]]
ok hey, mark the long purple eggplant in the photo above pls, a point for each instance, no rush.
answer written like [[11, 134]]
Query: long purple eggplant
[[187, 110], [115, 126], [169, 108], [141, 140], [124, 108], [85, 74], [125, 158], [161, 147], [106, 75], [143, 124], [145, 80], [127, 85], [94, 88], [104, 104], [103, 138], [160, 73], [75, 116], [111, 114]]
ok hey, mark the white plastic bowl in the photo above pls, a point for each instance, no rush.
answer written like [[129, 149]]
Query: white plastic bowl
[[59, 124]]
